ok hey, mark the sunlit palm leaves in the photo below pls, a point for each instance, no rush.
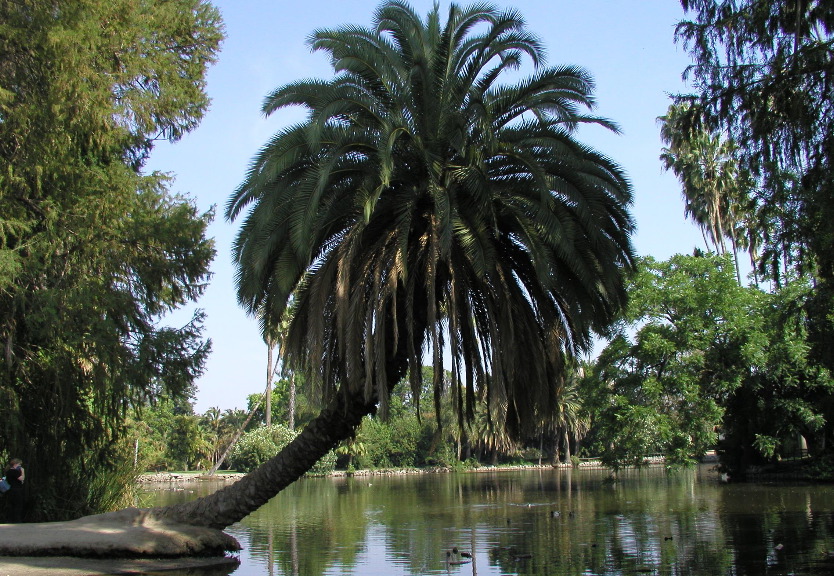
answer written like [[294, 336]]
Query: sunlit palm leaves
[[715, 190]]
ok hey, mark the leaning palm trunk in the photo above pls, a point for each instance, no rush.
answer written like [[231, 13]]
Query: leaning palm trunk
[[337, 422]]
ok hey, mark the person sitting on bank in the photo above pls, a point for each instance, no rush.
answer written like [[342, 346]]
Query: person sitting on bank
[[15, 475]]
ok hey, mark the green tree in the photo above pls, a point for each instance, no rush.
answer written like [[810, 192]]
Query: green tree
[[660, 387], [763, 74], [211, 422], [785, 398], [424, 204], [93, 253], [172, 437], [490, 437], [700, 355], [188, 444], [305, 408], [232, 422]]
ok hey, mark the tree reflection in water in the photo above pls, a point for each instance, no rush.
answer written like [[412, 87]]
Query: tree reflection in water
[[542, 522]]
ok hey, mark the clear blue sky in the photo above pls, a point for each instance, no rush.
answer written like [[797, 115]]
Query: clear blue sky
[[627, 45]]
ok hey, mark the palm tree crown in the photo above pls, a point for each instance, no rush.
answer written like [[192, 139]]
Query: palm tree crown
[[423, 205], [715, 189]]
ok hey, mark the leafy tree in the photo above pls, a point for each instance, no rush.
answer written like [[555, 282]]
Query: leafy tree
[[151, 429], [407, 437], [211, 422], [571, 418], [188, 443], [763, 75], [93, 253], [423, 204], [661, 385], [231, 423], [490, 437], [353, 447], [172, 437], [699, 355], [786, 395]]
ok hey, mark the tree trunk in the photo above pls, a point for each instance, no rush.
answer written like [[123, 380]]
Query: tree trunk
[[554, 453], [292, 402], [269, 372], [337, 422], [235, 438]]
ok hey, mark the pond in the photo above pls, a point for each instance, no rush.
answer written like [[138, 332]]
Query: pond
[[540, 522]]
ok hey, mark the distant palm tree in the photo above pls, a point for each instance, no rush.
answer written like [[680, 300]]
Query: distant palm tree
[[489, 435], [211, 419], [570, 418], [423, 205], [715, 190]]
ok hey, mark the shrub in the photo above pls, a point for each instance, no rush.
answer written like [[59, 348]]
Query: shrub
[[444, 457], [378, 444], [256, 447]]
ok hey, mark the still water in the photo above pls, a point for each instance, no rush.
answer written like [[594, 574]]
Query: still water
[[541, 522]]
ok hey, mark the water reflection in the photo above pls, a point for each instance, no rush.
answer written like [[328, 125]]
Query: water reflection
[[546, 522]]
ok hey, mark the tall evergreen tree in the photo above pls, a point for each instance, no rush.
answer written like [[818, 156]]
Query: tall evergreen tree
[[425, 205], [92, 251]]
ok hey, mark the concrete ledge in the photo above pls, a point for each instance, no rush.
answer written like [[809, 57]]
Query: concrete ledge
[[130, 533], [67, 566]]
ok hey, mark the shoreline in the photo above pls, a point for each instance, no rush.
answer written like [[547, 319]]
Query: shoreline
[[171, 477]]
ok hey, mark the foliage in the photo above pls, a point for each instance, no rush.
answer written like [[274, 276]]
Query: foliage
[[786, 393], [305, 407], [93, 253], [763, 75], [660, 386], [256, 447], [821, 468], [715, 190], [699, 355], [171, 437], [401, 442], [424, 203], [571, 419]]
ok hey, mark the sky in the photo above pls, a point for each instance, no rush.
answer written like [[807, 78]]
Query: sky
[[627, 46]]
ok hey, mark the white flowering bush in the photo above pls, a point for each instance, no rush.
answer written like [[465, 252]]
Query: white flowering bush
[[256, 447]]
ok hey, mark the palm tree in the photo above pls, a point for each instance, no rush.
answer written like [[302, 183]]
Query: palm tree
[[425, 206], [714, 188], [570, 418], [211, 420], [489, 434]]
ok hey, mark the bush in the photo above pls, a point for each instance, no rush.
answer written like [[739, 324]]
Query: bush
[[444, 457], [378, 444], [256, 447]]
